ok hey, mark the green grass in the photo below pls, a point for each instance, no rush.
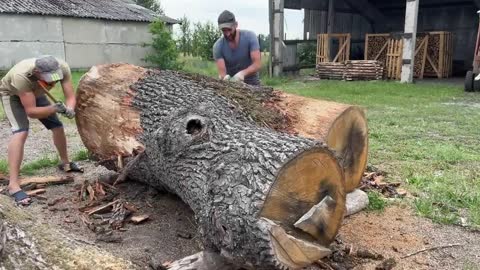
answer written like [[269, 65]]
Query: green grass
[[208, 68], [45, 162], [376, 202], [424, 135], [81, 155], [3, 166], [197, 65]]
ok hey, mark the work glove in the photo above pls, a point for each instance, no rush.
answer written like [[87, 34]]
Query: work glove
[[60, 107], [240, 76], [226, 78], [69, 113], [64, 110]]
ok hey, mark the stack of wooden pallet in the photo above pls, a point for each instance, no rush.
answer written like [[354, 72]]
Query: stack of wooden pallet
[[363, 70], [351, 70]]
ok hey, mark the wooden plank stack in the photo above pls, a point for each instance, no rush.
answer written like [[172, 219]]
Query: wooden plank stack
[[351, 70]]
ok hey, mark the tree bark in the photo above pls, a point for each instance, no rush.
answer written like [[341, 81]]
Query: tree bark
[[107, 91], [248, 185], [26, 243]]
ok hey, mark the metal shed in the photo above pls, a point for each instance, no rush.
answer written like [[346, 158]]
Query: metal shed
[[359, 17]]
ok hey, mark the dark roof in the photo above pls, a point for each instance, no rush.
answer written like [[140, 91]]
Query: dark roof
[[120, 10]]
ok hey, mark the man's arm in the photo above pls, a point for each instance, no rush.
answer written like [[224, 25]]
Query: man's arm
[[222, 70], [69, 93], [29, 104]]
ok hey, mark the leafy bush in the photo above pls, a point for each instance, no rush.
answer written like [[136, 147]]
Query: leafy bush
[[165, 53], [203, 38], [307, 53]]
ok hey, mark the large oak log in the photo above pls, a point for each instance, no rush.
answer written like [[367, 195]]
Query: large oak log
[[109, 124], [263, 199]]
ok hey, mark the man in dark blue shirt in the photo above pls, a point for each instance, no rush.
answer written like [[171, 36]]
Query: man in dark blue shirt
[[237, 53]]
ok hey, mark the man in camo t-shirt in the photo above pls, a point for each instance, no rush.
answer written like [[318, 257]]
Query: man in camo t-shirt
[[22, 97], [237, 53]]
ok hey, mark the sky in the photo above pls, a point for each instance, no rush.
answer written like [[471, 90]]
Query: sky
[[250, 14]]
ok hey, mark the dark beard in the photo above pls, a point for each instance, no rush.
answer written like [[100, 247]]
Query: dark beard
[[233, 36]]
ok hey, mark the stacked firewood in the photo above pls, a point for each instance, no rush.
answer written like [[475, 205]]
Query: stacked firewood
[[330, 70], [351, 70], [363, 70]]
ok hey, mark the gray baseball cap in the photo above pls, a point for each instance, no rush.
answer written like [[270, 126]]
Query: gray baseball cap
[[49, 69], [226, 20]]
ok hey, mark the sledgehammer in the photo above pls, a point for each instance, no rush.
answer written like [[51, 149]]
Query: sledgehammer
[[44, 88]]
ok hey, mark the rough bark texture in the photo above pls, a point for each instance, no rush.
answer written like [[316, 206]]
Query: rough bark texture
[[342, 127], [225, 167], [247, 184], [27, 244], [263, 199]]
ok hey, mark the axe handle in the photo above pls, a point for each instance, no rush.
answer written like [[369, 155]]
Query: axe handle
[[47, 92]]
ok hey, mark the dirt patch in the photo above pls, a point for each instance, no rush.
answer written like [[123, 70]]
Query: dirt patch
[[171, 233], [398, 232]]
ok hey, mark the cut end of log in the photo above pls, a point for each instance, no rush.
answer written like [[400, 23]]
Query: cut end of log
[[348, 137], [106, 121], [342, 127], [305, 181]]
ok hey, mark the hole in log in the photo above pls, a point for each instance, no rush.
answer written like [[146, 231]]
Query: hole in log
[[194, 126]]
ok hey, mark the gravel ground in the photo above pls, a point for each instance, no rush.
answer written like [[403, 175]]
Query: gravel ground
[[39, 142]]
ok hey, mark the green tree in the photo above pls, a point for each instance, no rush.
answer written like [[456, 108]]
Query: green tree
[[307, 53], [152, 5], [185, 40], [203, 38], [264, 41], [165, 53]]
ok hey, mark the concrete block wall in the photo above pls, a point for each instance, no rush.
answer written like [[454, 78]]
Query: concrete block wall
[[81, 42], [24, 37], [99, 41]]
